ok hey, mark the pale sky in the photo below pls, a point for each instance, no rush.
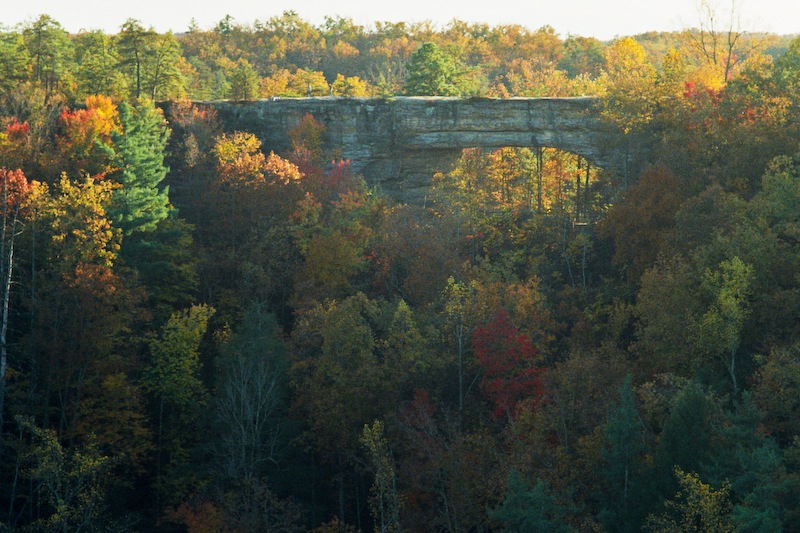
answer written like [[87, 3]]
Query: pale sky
[[604, 19]]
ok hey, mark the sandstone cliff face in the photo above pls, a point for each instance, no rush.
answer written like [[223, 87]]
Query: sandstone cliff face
[[398, 143]]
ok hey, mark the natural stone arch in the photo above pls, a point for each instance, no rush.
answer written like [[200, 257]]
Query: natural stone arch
[[398, 143]]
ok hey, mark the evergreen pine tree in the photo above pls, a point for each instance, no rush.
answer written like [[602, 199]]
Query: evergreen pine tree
[[623, 452], [138, 153]]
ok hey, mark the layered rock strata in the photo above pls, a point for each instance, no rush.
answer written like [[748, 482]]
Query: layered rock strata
[[398, 143]]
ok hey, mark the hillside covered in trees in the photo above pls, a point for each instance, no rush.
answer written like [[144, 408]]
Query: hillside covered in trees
[[200, 334]]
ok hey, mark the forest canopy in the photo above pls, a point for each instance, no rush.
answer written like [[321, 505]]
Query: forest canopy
[[287, 56], [202, 332]]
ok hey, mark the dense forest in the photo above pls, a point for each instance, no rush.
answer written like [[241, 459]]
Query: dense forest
[[198, 334]]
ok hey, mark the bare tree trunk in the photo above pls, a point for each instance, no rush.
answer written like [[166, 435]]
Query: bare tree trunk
[[732, 372], [577, 208], [587, 198], [162, 53], [341, 497], [158, 452], [539, 177], [460, 340], [6, 268], [564, 250], [583, 260], [8, 264], [138, 72], [4, 331]]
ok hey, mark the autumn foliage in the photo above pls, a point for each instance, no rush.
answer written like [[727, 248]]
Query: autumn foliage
[[203, 331], [86, 131], [508, 360], [16, 189]]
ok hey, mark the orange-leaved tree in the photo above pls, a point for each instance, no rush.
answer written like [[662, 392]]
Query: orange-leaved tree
[[85, 131]]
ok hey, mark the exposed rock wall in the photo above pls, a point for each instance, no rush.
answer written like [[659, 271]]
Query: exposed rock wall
[[398, 143]]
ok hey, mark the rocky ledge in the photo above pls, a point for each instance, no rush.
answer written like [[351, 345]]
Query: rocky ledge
[[398, 143]]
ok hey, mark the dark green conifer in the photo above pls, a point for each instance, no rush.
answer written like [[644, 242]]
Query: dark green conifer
[[138, 153]]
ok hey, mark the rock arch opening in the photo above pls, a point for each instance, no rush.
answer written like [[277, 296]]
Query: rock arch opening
[[542, 180]]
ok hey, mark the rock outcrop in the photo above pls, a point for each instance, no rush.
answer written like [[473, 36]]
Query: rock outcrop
[[398, 143]]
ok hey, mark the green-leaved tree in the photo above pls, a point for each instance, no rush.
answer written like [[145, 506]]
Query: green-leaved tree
[[431, 71]]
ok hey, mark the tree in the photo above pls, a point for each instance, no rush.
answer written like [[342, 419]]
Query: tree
[[26, 137], [307, 139], [244, 81], [15, 188], [344, 41], [459, 305], [622, 453], [173, 378], [384, 499], [696, 507], [407, 350], [413, 253], [331, 261], [80, 308], [718, 331], [631, 81], [165, 79], [166, 263], [77, 224], [87, 136], [240, 161], [173, 375], [250, 397], [507, 358], [245, 183], [136, 48], [49, 48], [307, 83], [640, 224], [664, 306], [14, 60], [343, 379], [138, 152], [583, 55], [431, 71], [719, 41], [754, 467], [672, 76], [534, 509], [504, 172], [241, 212], [352, 86], [342, 384], [777, 382], [786, 76], [243, 167], [452, 475], [686, 438], [536, 78], [303, 42], [150, 61], [113, 416], [780, 191], [70, 481], [97, 59]]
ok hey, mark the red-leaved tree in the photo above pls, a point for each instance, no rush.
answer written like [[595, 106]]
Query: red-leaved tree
[[507, 358]]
